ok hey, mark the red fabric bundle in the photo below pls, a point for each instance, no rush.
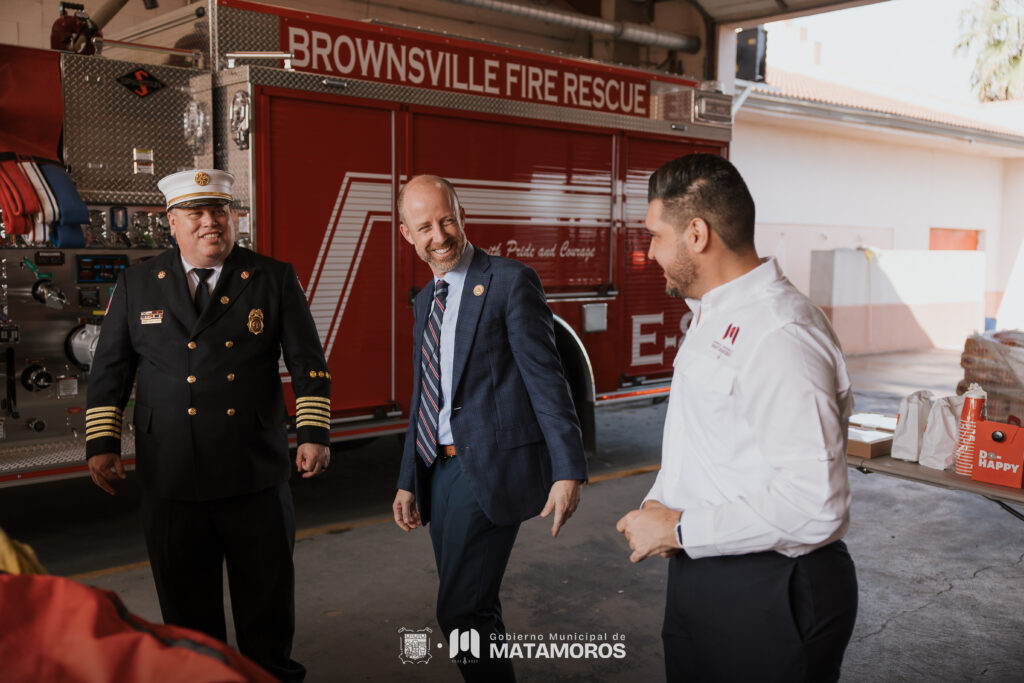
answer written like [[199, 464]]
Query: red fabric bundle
[[18, 199], [56, 629]]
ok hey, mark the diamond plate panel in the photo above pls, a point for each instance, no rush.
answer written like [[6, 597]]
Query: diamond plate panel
[[227, 155], [53, 453], [239, 29], [104, 121]]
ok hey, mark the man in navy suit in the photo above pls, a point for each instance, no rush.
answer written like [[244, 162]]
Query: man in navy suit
[[493, 438]]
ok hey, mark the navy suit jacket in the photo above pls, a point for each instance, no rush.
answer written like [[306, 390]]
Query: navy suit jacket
[[513, 419]]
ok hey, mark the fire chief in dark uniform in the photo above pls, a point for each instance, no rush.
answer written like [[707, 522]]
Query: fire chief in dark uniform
[[203, 326]]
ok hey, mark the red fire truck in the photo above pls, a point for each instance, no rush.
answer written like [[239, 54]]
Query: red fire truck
[[321, 120]]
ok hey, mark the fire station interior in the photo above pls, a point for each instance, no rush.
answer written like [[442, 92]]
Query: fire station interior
[[320, 130]]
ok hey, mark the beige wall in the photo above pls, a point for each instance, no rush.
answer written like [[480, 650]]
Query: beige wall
[[820, 187], [900, 299], [28, 22]]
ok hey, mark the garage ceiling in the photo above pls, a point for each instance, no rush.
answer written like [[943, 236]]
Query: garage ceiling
[[762, 11]]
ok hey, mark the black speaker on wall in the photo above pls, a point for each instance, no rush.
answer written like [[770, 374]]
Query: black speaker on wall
[[751, 45]]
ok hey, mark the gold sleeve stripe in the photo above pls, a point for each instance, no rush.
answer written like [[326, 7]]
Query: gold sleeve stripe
[[102, 428], [95, 424], [313, 399], [309, 422], [103, 410], [310, 410], [90, 437]]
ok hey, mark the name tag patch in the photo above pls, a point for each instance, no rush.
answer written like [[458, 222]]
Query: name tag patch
[[151, 317]]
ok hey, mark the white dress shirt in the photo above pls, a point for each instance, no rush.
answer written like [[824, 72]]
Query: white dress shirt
[[455, 279], [193, 279], [754, 449]]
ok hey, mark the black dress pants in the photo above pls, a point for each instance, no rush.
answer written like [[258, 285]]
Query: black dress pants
[[188, 544], [471, 554], [761, 617]]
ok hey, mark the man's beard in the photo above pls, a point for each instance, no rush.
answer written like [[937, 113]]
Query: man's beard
[[458, 245], [679, 281]]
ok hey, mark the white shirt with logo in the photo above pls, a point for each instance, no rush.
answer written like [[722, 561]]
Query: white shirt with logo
[[754, 449]]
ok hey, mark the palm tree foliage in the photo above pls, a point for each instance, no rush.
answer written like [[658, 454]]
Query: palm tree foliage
[[995, 29]]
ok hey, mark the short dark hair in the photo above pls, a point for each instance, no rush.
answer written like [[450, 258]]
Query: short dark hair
[[709, 187]]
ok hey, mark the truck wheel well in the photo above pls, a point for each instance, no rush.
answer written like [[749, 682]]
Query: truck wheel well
[[580, 375]]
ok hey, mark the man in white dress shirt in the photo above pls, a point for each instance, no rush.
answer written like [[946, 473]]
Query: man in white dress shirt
[[752, 487]]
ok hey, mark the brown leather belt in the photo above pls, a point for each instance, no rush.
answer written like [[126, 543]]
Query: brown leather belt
[[446, 450]]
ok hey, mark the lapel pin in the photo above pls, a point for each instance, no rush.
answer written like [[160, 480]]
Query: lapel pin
[[478, 290], [162, 274], [224, 299], [245, 274]]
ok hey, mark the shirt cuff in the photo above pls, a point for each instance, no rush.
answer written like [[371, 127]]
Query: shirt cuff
[[679, 530]]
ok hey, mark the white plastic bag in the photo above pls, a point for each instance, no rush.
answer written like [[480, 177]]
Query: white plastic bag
[[938, 447], [914, 409]]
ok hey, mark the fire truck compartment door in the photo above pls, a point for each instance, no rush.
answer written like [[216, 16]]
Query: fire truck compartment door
[[541, 194], [324, 203], [656, 323]]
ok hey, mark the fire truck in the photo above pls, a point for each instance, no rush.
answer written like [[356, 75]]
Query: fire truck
[[321, 120]]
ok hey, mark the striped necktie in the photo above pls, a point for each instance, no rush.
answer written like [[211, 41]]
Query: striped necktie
[[430, 378], [202, 290]]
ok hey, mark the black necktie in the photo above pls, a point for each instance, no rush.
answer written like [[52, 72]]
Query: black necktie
[[202, 290], [430, 378]]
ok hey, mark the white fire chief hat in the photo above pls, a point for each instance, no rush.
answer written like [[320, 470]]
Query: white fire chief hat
[[198, 187]]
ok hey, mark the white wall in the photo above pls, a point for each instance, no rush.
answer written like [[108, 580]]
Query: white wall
[[825, 189], [1011, 247], [900, 299]]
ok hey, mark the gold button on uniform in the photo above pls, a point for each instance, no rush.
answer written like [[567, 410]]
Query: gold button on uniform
[[224, 299], [192, 411], [231, 377], [192, 345], [231, 411], [229, 343], [191, 379], [312, 373]]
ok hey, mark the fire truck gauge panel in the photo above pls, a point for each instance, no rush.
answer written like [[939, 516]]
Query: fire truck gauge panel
[[99, 268]]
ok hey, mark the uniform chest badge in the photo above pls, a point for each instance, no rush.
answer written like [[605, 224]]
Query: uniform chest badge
[[255, 321], [151, 317]]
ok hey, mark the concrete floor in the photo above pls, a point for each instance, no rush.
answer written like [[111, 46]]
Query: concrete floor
[[940, 572]]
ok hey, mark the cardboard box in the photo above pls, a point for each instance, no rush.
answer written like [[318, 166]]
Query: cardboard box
[[868, 443], [874, 421]]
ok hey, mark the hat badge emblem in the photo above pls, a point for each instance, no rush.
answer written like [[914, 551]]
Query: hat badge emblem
[[202, 179]]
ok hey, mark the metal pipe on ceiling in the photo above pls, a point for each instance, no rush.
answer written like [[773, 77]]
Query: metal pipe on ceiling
[[621, 30]]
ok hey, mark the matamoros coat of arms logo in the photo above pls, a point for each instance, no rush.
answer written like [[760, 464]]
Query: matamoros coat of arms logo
[[414, 645]]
